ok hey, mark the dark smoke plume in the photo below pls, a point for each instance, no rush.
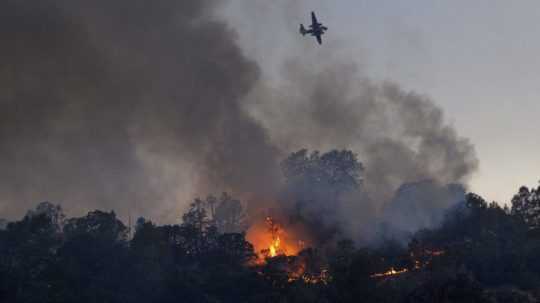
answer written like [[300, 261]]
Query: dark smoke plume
[[138, 106], [117, 104]]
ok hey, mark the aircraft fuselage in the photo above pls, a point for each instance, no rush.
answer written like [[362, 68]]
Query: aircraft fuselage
[[316, 29]]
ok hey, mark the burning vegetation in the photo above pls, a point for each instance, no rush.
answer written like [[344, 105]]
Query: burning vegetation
[[271, 239], [417, 262], [275, 245], [106, 104], [220, 253], [389, 273], [284, 249]]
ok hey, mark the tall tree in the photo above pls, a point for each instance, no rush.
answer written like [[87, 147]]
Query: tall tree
[[229, 215], [27, 251], [526, 205], [93, 265], [317, 185], [332, 173]]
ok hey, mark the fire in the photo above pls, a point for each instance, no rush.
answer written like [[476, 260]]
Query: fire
[[283, 248], [427, 257], [389, 273], [270, 239], [274, 247], [322, 277]]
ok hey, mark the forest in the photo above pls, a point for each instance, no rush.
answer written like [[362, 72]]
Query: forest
[[480, 251]]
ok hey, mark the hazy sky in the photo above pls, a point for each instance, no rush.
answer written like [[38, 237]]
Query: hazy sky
[[478, 60], [155, 77]]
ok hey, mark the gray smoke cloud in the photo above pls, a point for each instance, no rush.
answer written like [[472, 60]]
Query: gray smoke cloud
[[124, 105], [138, 106], [424, 204], [400, 137], [322, 99]]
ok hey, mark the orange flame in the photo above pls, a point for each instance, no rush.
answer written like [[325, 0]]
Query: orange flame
[[428, 256], [390, 272], [274, 247], [270, 239]]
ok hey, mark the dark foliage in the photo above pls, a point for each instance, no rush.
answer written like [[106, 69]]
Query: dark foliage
[[480, 253]]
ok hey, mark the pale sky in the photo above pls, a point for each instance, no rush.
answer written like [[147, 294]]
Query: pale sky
[[479, 60]]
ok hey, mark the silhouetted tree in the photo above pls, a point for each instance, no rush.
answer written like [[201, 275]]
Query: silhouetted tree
[[485, 239], [315, 186], [93, 263], [229, 215], [27, 251], [480, 253], [51, 211], [197, 216], [226, 214], [526, 205], [333, 173]]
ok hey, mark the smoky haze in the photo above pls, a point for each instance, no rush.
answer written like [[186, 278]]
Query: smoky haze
[[320, 98], [124, 104], [142, 105]]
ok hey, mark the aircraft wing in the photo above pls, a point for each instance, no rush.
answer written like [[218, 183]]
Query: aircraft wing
[[319, 39], [314, 18]]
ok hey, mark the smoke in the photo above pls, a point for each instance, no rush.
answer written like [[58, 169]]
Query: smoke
[[138, 106], [322, 99], [400, 137], [424, 204], [124, 105]]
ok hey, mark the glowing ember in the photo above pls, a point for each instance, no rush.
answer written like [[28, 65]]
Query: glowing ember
[[322, 277], [427, 257], [436, 253], [389, 273]]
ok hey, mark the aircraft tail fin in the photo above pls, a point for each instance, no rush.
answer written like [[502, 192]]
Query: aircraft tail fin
[[303, 30]]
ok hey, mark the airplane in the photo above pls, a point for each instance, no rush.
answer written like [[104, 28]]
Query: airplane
[[316, 29]]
